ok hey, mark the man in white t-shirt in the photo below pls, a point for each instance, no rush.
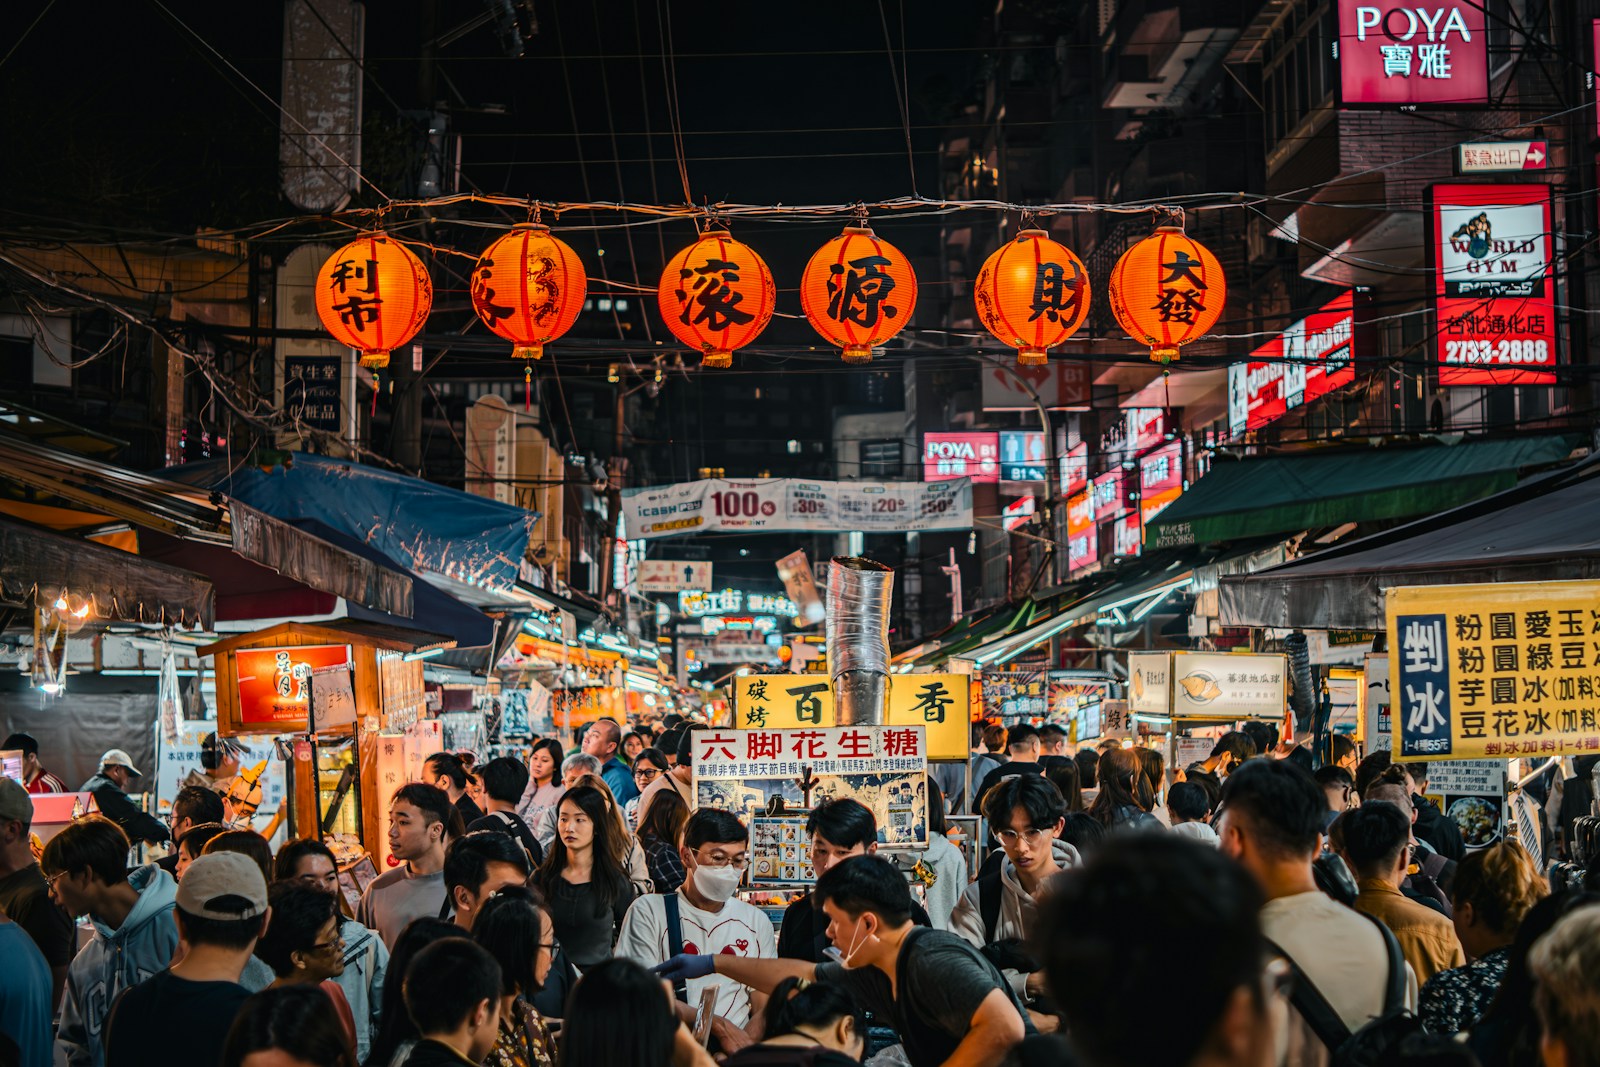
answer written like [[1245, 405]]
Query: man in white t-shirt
[[1271, 821], [711, 921]]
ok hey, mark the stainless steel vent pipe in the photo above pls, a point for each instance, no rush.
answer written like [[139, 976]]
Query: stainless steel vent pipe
[[859, 594]]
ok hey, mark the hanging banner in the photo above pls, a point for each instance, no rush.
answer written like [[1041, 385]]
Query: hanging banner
[[796, 505], [1495, 670], [883, 767], [1223, 685], [936, 702], [1473, 794], [1489, 250], [794, 570]]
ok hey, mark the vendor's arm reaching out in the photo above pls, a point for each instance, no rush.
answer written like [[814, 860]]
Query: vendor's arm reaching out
[[761, 975]]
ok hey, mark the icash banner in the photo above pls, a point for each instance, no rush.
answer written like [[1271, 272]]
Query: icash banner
[[793, 505]]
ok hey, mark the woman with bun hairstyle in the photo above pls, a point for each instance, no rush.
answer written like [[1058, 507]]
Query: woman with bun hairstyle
[[808, 1024]]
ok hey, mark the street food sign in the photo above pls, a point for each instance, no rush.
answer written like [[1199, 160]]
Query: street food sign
[[937, 703], [1401, 53], [1493, 291], [1208, 685], [1495, 670], [275, 683], [789, 753]]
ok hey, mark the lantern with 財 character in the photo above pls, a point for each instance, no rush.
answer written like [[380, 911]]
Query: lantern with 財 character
[[858, 291], [1032, 294], [528, 288], [373, 295], [715, 296], [1166, 291]]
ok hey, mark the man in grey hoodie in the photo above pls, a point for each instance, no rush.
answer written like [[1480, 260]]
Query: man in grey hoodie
[[135, 936], [996, 913]]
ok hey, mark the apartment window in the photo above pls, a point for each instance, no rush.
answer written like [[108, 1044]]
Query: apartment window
[[1300, 73], [880, 460]]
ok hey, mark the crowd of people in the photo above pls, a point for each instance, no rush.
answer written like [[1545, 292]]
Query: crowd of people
[[579, 909]]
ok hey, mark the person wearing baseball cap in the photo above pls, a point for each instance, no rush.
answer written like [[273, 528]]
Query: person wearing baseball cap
[[222, 910], [110, 791]]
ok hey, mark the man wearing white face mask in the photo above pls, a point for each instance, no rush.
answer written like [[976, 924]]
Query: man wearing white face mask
[[704, 918]]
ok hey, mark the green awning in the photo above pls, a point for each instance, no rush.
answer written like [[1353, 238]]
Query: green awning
[[1258, 497]]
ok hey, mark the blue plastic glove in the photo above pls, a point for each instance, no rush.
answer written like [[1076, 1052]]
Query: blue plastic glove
[[684, 967]]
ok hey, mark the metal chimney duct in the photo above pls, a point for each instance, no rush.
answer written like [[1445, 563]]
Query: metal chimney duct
[[859, 594]]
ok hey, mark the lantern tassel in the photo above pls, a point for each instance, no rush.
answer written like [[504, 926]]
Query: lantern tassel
[[527, 387]]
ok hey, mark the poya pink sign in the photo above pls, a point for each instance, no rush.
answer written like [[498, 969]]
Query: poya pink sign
[[1395, 54]]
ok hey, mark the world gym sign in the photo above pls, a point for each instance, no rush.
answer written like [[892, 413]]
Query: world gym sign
[[1412, 55]]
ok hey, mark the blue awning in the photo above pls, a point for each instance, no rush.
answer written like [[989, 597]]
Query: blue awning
[[424, 526]]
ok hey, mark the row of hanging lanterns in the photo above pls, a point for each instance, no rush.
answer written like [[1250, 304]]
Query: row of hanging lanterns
[[717, 295]]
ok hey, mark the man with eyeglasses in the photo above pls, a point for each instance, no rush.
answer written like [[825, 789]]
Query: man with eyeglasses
[[996, 913], [310, 863], [705, 918]]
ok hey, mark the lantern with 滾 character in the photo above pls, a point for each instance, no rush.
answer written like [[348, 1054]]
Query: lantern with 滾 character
[[1166, 291], [858, 291], [374, 294], [1032, 294], [715, 296]]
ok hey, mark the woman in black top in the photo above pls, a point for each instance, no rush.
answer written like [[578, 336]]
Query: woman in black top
[[815, 1024], [583, 878]]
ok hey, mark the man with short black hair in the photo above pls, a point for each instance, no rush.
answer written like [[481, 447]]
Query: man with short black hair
[[1377, 839], [1270, 822], [1022, 745], [1111, 934], [452, 994], [87, 868], [602, 741], [947, 1003], [445, 771], [193, 806], [109, 788], [24, 893], [478, 866], [34, 777], [504, 781], [1052, 740], [704, 916], [418, 818], [838, 830], [221, 912]]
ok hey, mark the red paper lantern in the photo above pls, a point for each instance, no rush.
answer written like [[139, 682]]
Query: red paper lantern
[[715, 296], [374, 294], [528, 287], [1166, 291], [1032, 294], [858, 291]]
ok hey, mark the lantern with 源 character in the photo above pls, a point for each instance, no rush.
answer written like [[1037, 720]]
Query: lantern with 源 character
[[858, 291]]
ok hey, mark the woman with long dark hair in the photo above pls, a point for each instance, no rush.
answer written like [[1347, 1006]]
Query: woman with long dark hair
[[583, 879], [808, 1024], [1124, 799], [518, 934], [396, 1032], [544, 780], [619, 1013], [659, 835], [1063, 773], [298, 1022]]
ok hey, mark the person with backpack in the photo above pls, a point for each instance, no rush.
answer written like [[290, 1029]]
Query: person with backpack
[[1377, 846], [504, 781], [704, 916], [945, 1001], [1349, 970], [996, 913]]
